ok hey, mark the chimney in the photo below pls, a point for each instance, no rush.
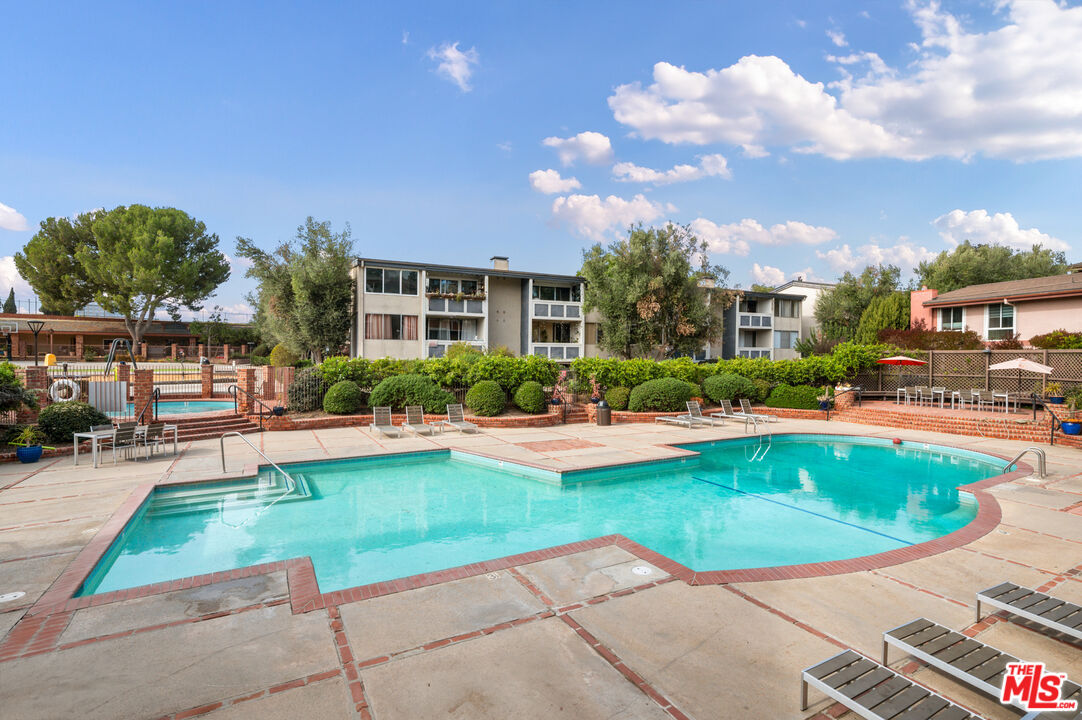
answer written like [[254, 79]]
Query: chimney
[[499, 262]]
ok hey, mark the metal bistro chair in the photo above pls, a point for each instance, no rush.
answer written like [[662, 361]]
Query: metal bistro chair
[[153, 437], [923, 392], [124, 439], [986, 397]]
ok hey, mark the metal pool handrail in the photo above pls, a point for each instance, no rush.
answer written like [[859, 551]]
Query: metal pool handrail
[[273, 464], [1040, 460]]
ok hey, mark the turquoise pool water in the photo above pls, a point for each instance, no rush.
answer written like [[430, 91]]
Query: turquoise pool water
[[809, 499], [179, 407]]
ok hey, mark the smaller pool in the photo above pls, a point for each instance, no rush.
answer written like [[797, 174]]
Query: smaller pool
[[181, 407]]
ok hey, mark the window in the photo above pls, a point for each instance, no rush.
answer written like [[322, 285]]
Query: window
[[749, 306], [952, 319], [1000, 322], [785, 339], [390, 282], [557, 294], [390, 327], [786, 308], [591, 333], [451, 329], [561, 332]]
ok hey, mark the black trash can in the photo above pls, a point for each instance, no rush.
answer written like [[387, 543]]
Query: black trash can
[[604, 414]]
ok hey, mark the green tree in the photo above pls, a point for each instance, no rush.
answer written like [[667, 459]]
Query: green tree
[[144, 259], [839, 309], [759, 287], [655, 292], [883, 313], [304, 295], [969, 264], [9, 304], [49, 264]]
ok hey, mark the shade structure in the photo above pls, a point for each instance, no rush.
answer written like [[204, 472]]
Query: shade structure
[[1022, 364], [901, 360]]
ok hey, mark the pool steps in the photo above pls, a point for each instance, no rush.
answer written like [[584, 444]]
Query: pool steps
[[255, 492]]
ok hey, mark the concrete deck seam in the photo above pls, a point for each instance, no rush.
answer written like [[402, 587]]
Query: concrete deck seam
[[918, 588], [1039, 532], [43, 468], [320, 443], [346, 660], [169, 470], [787, 617], [238, 699]]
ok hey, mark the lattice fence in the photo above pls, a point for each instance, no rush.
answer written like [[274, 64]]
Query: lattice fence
[[968, 369]]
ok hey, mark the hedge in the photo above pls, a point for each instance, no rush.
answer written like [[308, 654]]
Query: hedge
[[530, 397], [281, 356], [800, 396], [304, 393], [663, 394], [486, 398], [344, 398], [59, 420], [617, 397], [399, 391], [465, 369], [727, 386]]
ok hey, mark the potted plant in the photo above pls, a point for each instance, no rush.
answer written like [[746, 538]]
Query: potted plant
[[1054, 393], [595, 390], [558, 389], [824, 399], [1072, 423], [28, 444]]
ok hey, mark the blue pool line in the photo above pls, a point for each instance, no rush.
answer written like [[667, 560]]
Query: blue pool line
[[810, 512]]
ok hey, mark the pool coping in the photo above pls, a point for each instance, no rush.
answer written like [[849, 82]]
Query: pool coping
[[306, 596]]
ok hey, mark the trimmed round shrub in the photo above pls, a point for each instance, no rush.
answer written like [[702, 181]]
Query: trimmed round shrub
[[343, 398], [306, 391], [799, 396], [261, 350], [617, 397], [59, 420], [281, 356], [763, 388], [727, 386], [530, 397], [661, 395], [398, 391], [486, 398]]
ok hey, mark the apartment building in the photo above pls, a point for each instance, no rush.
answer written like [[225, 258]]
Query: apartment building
[[762, 324], [811, 292], [417, 310]]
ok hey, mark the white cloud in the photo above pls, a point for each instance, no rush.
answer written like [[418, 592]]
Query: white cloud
[[739, 235], [592, 147], [709, 165], [837, 37], [719, 238], [592, 217], [405, 37], [550, 182], [10, 278], [238, 264], [904, 254], [455, 64], [980, 228], [767, 275], [505, 146], [12, 219], [1010, 92]]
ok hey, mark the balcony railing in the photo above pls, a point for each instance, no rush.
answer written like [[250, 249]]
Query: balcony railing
[[456, 307], [755, 320], [753, 352], [437, 348], [557, 310], [556, 351]]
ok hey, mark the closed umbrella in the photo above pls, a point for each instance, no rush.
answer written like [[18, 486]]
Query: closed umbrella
[[901, 360]]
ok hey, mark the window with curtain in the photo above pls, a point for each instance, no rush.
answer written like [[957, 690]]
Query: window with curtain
[[390, 327], [1000, 322], [952, 319], [390, 282]]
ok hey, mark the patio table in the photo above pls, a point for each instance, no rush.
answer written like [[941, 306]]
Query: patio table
[[957, 396], [932, 396], [165, 429], [95, 437]]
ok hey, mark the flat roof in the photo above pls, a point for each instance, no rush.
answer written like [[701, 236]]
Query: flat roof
[[1032, 289], [804, 283], [464, 270]]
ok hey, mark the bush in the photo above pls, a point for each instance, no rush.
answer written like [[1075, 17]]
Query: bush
[[259, 360], [1058, 340], [729, 387], [763, 388], [13, 395], [339, 368], [59, 420], [663, 394], [306, 391], [799, 396], [486, 398], [281, 356], [343, 398], [262, 350], [398, 391], [530, 397], [617, 397]]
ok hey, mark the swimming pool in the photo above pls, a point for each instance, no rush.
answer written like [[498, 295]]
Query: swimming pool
[[180, 407], [810, 498]]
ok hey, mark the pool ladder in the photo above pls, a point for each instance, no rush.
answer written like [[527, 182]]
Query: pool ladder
[[1040, 460], [762, 449], [291, 484]]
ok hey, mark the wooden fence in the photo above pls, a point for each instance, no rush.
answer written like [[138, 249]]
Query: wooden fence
[[965, 369]]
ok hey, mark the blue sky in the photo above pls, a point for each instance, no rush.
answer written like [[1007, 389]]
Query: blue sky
[[796, 138]]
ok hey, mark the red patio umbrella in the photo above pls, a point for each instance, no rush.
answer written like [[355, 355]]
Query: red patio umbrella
[[901, 360]]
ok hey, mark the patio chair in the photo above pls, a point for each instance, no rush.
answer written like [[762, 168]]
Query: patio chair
[[456, 420], [124, 439], [695, 410], [1052, 613], [745, 407], [901, 395], [874, 691], [923, 392], [729, 412], [986, 397], [685, 420], [153, 437], [381, 422], [415, 421]]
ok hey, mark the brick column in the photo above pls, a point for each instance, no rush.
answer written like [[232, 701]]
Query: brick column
[[206, 376], [225, 352], [844, 402], [123, 375], [268, 383], [15, 346], [201, 350], [245, 381], [36, 380], [143, 349], [172, 350], [287, 375], [142, 387], [79, 348]]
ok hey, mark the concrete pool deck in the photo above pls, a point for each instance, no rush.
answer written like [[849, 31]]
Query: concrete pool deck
[[576, 635]]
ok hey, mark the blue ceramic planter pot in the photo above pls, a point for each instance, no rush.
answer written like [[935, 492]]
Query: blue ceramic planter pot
[[1055, 399], [1071, 428], [29, 454]]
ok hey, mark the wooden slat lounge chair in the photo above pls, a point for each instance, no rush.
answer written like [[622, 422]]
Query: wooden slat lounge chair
[[971, 661], [745, 407], [1052, 613], [695, 410], [381, 422], [874, 691], [456, 420], [729, 412], [415, 421]]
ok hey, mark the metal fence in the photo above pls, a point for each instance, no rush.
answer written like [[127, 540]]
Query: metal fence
[[969, 369], [90, 383], [178, 381]]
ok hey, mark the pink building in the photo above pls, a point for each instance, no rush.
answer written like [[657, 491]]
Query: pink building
[[999, 311]]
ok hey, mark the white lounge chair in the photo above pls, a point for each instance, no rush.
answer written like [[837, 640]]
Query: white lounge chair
[[415, 421], [456, 420], [745, 407], [729, 412], [381, 422], [685, 420], [695, 410]]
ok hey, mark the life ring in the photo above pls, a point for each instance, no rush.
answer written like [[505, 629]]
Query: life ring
[[54, 390]]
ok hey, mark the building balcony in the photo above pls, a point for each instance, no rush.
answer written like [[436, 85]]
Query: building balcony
[[556, 351], [450, 306], [754, 352], [437, 348], [755, 320], [549, 309]]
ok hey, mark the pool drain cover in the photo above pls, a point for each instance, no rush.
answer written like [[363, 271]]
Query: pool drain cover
[[8, 597], [641, 570], [493, 576]]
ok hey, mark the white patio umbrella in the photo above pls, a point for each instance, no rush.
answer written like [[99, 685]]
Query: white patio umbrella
[[1021, 364]]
